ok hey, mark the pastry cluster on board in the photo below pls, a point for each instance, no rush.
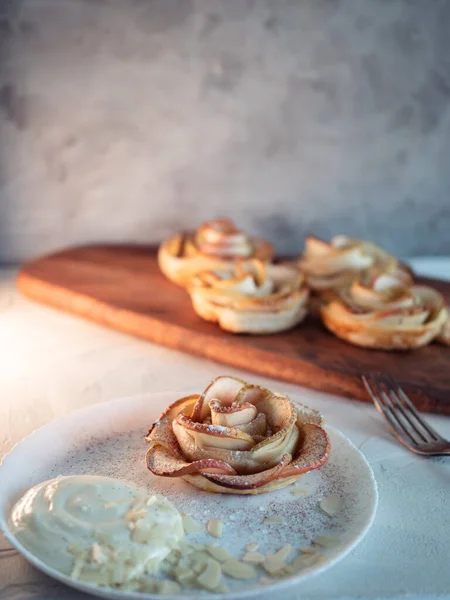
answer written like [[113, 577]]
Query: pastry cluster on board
[[363, 295]]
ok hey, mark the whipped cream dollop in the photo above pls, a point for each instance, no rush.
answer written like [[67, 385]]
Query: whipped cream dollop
[[97, 529]]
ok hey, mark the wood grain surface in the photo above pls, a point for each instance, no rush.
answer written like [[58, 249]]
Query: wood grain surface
[[122, 287]]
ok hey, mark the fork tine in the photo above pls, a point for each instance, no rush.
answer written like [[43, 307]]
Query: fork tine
[[379, 397], [397, 412], [406, 415], [409, 405]]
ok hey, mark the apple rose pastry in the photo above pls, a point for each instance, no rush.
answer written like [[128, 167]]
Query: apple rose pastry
[[237, 438], [387, 314], [254, 297], [344, 260], [215, 245]]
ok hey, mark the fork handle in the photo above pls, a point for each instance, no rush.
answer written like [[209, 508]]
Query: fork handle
[[445, 451]]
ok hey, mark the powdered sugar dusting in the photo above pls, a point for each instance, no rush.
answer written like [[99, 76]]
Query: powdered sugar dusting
[[243, 516], [109, 441]]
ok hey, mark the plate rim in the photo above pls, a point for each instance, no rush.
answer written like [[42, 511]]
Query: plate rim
[[98, 591]]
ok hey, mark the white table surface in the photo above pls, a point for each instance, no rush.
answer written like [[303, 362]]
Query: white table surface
[[52, 363]]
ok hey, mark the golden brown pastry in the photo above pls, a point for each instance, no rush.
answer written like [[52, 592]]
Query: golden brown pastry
[[444, 334], [254, 297], [237, 438], [216, 244], [336, 264], [386, 314]]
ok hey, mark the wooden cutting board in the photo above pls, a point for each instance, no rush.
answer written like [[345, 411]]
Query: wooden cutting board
[[122, 287]]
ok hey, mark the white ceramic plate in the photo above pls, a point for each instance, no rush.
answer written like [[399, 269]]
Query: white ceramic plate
[[107, 439]]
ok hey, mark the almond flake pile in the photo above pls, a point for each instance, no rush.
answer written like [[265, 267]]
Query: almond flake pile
[[204, 566]]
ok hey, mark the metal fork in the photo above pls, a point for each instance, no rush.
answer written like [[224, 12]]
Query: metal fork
[[408, 426]]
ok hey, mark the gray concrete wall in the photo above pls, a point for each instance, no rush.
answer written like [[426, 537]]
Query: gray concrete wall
[[127, 120]]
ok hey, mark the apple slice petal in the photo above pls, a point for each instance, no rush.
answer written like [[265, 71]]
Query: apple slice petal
[[214, 436], [163, 463], [257, 427], [307, 415], [313, 454], [161, 431], [224, 387], [232, 415], [280, 414], [248, 482], [250, 393]]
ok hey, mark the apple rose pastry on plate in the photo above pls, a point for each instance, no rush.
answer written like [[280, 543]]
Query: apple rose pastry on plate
[[387, 314], [343, 260], [237, 438], [215, 245], [254, 297]]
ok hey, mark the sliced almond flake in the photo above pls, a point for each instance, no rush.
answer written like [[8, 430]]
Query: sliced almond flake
[[78, 565], [199, 560], [238, 570], [197, 546], [181, 571], [327, 541], [218, 553], [97, 554], [320, 558], [135, 515], [168, 587], [185, 577], [266, 581], [251, 547], [284, 572], [137, 586], [299, 493], [331, 504], [98, 576], [116, 502], [183, 563], [191, 526], [221, 589], [253, 557], [119, 574], [302, 562], [198, 567], [187, 580], [215, 527], [166, 568], [308, 550], [274, 520], [283, 552], [273, 565], [148, 585], [172, 559], [210, 577]]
